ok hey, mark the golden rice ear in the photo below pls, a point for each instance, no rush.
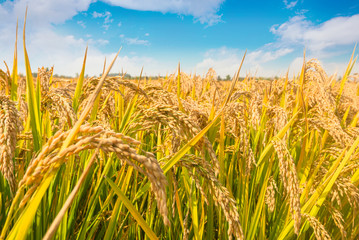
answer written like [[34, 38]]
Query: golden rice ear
[[10, 126], [289, 178], [319, 229]]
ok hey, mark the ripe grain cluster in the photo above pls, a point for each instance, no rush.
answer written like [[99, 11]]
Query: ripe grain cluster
[[179, 157]]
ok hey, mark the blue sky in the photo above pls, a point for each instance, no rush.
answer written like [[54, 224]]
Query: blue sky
[[157, 34]]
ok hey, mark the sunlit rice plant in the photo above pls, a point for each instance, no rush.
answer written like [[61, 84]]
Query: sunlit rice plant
[[180, 157]]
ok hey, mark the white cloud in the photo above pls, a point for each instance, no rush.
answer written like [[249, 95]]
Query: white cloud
[[263, 56], [82, 24], [226, 61], [147, 34], [46, 47], [106, 15], [329, 41], [337, 31], [42, 12], [97, 14], [205, 11], [99, 41], [119, 24], [290, 4], [136, 41], [107, 20]]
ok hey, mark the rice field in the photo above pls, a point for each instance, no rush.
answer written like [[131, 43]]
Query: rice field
[[180, 157]]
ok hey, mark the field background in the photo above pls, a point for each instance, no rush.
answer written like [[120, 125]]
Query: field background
[[180, 157]]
